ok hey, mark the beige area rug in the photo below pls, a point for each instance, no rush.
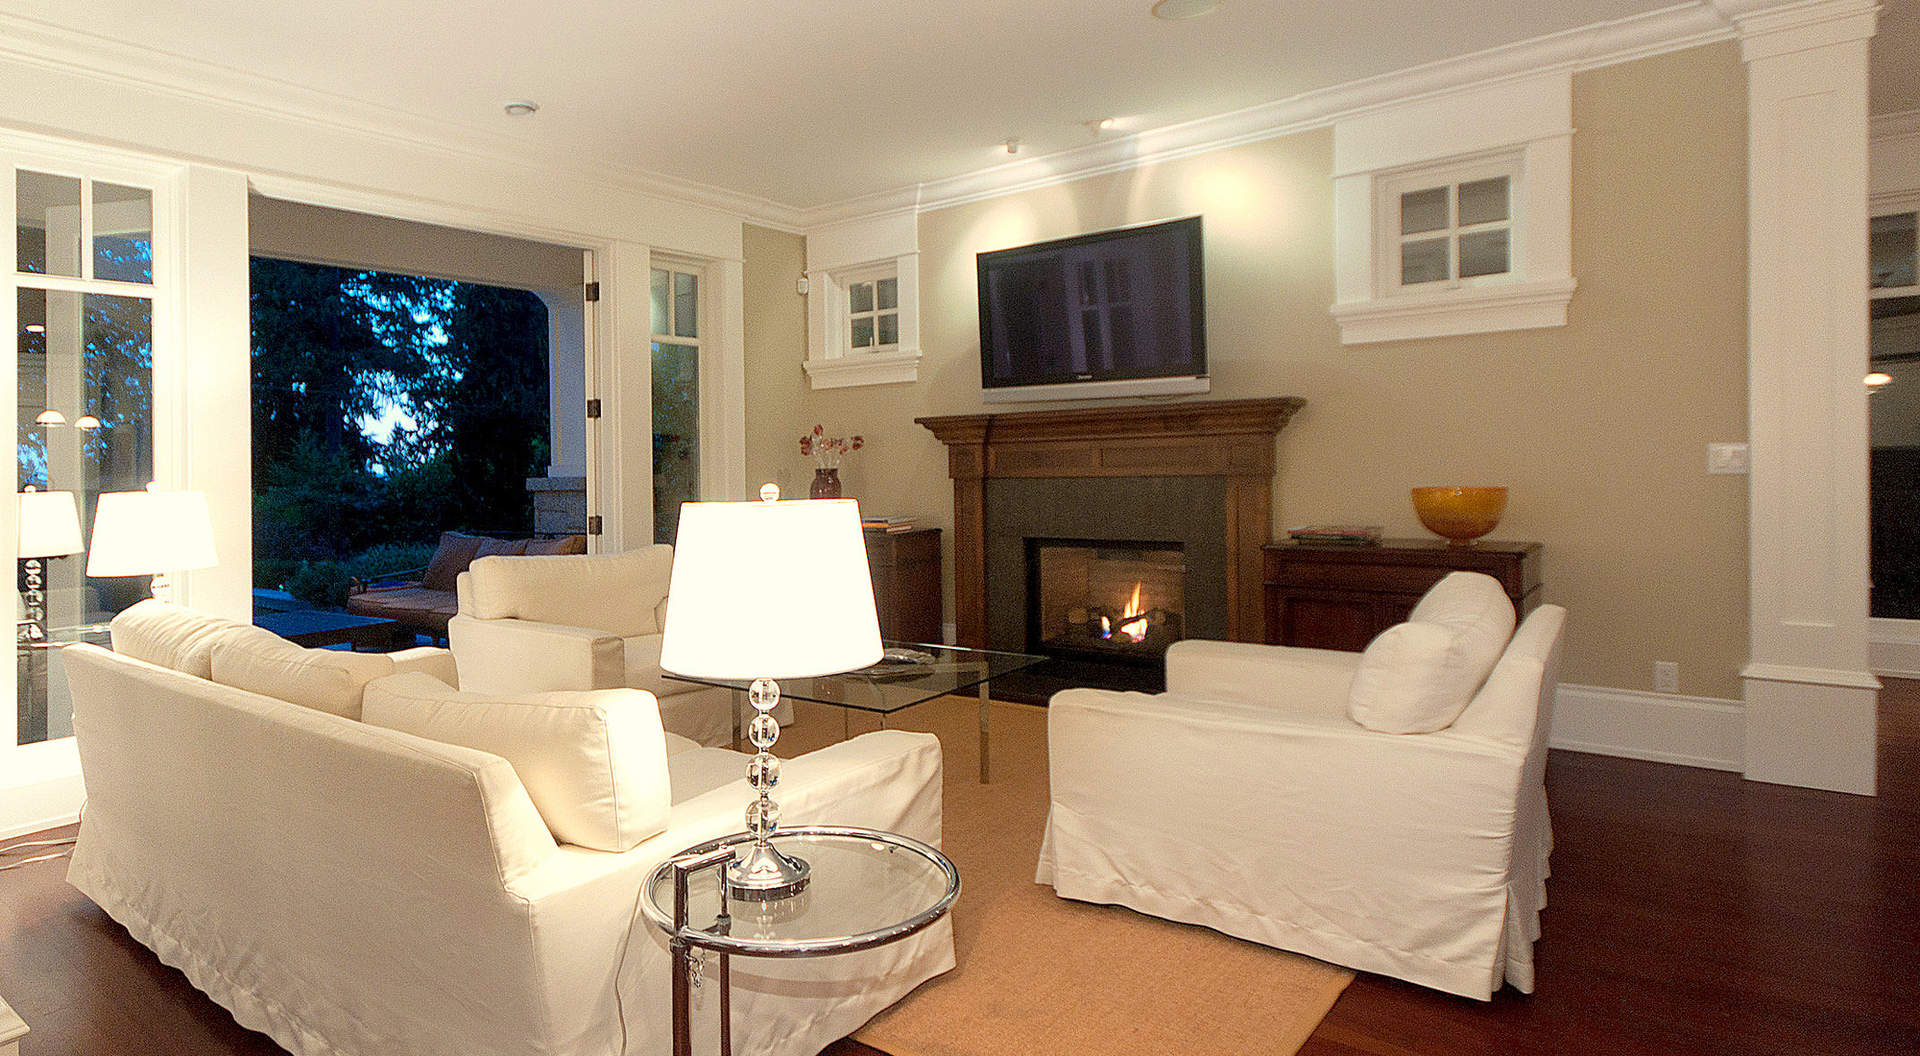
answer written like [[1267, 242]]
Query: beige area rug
[[1040, 975]]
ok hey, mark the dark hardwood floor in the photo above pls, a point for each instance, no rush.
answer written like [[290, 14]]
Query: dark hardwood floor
[[1689, 912]]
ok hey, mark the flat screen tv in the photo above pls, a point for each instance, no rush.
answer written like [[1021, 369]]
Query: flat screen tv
[[1114, 313]]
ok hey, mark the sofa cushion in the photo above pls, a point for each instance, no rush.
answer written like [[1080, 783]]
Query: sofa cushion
[[499, 548], [565, 544], [329, 680], [615, 593], [1418, 676], [451, 558], [594, 762], [172, 636]]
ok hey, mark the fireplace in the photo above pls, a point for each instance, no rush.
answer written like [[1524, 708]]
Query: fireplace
[[1105, 600], [1106, 498]]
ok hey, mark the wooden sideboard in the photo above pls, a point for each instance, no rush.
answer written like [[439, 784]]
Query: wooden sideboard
[[1334, 596], [906, 583]]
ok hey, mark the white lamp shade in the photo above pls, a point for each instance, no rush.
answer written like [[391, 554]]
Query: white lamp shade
[[770, 590], [48, 525], [141, 533]]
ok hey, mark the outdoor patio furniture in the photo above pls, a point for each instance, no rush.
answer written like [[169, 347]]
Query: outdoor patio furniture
[[422, 599]]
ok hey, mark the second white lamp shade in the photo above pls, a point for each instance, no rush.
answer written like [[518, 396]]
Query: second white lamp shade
[[142, 533], [770, 590], [48, 524]]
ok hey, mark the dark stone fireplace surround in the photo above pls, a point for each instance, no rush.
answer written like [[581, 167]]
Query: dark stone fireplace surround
[[1190, 511]]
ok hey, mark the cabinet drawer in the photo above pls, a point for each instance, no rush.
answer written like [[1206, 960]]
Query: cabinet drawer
[[1400, 579]]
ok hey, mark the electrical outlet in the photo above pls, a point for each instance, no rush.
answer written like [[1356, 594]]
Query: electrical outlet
[[1666, 676], [1727, 458]]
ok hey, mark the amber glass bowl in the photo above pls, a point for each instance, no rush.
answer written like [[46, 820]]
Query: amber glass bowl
[[1460, 515]]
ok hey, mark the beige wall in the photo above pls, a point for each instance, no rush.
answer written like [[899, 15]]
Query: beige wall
[[776, 339], [1600, 428]]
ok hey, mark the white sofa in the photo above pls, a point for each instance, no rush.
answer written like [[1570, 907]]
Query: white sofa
[[534, 624], [352, 890], [1248, 799]]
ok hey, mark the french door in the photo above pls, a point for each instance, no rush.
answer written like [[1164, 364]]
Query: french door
[[88, 300]]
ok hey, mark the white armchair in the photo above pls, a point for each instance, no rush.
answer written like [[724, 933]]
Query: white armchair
[[1247, 799], [593, 621]]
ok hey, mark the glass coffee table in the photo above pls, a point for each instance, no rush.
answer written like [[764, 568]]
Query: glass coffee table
[[890, 686], [868, 888]]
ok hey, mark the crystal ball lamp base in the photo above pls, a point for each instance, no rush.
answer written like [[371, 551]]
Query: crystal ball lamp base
[[759, 872]]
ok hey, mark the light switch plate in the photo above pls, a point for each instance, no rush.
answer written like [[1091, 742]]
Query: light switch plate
[[1727, 458], [1666, 676]]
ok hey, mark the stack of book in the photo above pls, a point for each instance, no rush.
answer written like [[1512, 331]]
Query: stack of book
[[890, 525], [1350, 534]]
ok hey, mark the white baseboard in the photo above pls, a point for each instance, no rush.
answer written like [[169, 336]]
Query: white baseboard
[[1660, 727], [39, 807], [1893, 647]]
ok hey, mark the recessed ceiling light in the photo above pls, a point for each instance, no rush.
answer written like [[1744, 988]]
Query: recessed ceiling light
[[520, 108], [1098, 125], [1013, 145], [1181, 10], [36, 328], [1879, 379], [50, 417]]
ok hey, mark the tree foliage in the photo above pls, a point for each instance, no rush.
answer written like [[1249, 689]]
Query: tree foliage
[[461, 371]]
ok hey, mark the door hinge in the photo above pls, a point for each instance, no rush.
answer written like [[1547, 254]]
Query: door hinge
[[593, 408], [593, 525], [593, 292]]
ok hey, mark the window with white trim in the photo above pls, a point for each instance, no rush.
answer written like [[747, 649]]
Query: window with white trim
[[873, 308], [1448, 227], [864, 323], [1453, 213]]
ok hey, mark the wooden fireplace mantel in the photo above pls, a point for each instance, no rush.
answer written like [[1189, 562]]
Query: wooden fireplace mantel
[[1220, 438]]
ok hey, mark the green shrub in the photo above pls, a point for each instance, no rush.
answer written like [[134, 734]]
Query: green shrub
[[319, 582], [272, 573], [389, 557]]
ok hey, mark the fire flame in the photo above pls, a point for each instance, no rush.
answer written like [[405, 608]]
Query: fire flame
[[1133, 621]]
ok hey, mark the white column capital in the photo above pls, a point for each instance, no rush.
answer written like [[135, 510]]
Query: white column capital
[[1770, 29]]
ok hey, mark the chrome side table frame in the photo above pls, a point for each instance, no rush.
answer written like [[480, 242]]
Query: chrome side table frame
[[684, 939]]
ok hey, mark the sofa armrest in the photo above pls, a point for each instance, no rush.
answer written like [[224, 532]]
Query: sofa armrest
[[522, 656], [1316, 678], [428, 661]]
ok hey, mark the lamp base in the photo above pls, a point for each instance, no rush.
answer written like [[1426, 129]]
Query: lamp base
[[762, 874]]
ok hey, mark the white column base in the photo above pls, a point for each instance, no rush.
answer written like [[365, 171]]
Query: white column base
[[1812, 733]]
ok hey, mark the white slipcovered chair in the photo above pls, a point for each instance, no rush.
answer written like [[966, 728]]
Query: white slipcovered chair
[[1251, 798], [586, 621]]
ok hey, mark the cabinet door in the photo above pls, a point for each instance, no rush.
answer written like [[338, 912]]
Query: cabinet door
[[1325, 619]]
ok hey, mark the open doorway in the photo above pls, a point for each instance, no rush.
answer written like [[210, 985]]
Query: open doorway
[[415, 388]]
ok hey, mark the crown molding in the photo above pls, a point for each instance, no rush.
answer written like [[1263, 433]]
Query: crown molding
[[41, 45], [1769, 30], [1683, 25]]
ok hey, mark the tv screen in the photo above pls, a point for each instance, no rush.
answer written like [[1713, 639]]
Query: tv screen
[[1102, 307]]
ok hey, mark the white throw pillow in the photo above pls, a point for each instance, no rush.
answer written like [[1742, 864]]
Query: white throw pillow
[[594, 762], [172, 636], [616, 593], [1418, 676], [329, 680]]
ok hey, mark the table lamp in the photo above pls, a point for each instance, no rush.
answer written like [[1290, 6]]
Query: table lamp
[[152, 532], [769, 590], [46, 524]]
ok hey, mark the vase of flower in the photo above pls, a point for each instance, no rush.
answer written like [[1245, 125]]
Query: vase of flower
[[826, 452]]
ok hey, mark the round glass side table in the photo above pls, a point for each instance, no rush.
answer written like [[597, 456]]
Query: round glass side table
[[867, 888]]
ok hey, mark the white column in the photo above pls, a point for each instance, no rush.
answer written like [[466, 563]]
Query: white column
[[1810, 697], [566, 381], [208, 384]]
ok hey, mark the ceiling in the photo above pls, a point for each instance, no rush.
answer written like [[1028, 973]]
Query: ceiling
[[802, 103]]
